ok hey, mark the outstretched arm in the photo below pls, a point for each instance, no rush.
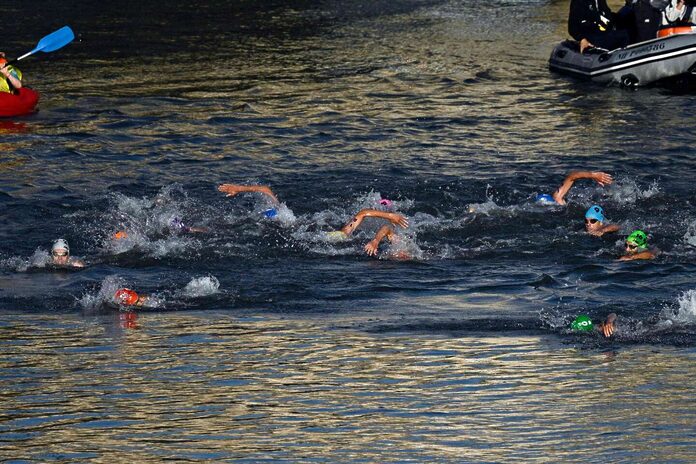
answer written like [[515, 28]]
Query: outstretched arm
[[233, 189], [647, 254], [394, 218], [373, 247], [602, 178]]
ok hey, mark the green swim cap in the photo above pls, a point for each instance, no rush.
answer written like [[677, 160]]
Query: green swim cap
[[638, 238], [582, 323]]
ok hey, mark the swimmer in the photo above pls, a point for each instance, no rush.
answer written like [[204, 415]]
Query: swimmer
[[234, 189], [558, 197], [387, 232], [637, 247], [395, 218], [583, 323], [60, 255], [178, 225], [595, 222], [127, 297]]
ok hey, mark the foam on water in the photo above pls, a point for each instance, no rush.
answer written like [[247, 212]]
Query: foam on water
[[201, 286]]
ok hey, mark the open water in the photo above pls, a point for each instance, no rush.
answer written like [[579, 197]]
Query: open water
[[268, 341]]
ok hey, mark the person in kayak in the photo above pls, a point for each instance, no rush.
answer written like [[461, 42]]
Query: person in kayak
[[637, 247], [60, 255], [595, 222], [558, 197], [12, 77], [130, 298], [583, 323], [593, 24]]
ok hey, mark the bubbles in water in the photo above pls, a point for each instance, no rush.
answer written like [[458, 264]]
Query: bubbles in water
[[40, 259], [685, 310], [627, 191], [105, 294], [690, 235], [202, 286]]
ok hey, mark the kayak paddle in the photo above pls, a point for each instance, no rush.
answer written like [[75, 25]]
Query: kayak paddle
[[51, 42]]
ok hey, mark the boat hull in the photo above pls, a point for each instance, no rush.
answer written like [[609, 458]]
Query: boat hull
[[24, 102], [636, 65]]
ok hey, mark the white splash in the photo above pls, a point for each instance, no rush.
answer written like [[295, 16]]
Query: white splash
[[685, 310], [628, 191], [202, 286]]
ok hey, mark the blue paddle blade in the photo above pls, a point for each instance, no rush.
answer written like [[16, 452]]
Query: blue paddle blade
[[55, 40]]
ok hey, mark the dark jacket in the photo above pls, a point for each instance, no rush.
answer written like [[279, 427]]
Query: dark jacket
[[587, 16]]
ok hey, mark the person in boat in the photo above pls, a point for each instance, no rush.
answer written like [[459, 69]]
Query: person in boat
[[583, 323], [11, 79], [637, 247], [129, 298], [337, 235], [641, 18], [595, 222], [593, 24], [678, 13], [558, 197], [60, 255]]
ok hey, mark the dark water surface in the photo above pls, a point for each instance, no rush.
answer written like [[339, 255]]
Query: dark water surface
[[269, 341]]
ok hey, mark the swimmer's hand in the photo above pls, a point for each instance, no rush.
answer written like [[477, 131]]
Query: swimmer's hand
[[607, 327], [602, 178], [398, 220], [372, 248]]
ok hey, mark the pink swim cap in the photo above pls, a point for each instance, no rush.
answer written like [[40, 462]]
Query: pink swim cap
[[385, 202]]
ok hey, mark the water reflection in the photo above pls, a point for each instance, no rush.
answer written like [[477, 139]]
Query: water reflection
[[277, 389]]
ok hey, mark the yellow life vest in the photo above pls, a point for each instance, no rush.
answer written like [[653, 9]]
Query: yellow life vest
[[4, 85]]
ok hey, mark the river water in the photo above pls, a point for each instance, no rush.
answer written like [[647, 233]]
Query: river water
[[266, 340]]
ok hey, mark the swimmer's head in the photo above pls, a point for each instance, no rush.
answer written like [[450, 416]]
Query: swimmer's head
[[60, 249], [270, 213], [125, 296], [594, 217], [336, 236], [120, 235], [176, 223], [386, 202], [582, 323], [636, 242], [545, 199]]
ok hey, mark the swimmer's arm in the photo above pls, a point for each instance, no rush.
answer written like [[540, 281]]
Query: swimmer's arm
[[647, 254], [394, 218], [609, 228], [75, 262], [602, 178], [373, 246], [233, 189]]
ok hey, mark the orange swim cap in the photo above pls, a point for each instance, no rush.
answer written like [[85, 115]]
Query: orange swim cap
[[120, 235], [126, 296]]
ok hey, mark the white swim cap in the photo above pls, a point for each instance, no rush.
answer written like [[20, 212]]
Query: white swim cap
[[60, 244]]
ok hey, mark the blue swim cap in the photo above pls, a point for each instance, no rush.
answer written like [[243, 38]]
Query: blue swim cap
[[545, 199], [270, 213], [595, 212]]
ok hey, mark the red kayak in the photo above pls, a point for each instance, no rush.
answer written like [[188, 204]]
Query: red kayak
[[18, 104]]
